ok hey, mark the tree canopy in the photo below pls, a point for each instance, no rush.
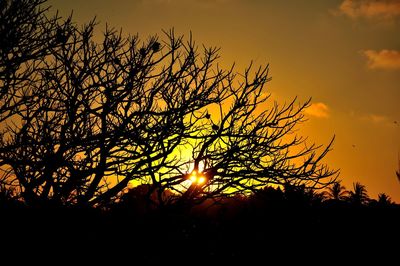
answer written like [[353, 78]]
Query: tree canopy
[[82, 119]]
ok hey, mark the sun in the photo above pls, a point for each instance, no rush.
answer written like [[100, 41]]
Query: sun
[[197, 178]]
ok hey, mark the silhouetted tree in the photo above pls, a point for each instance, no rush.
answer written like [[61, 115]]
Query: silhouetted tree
[[27, 37], [270, 195], [336, 191], [358, 195], [384, 199], [95, 116], [142, 199], [302, 195]]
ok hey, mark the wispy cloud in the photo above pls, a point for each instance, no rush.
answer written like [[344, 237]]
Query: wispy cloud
[[384, 59], [319, 110], [375, 118], [386, 9], [380, 120]]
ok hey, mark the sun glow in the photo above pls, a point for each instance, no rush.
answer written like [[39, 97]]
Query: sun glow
[[196, 177], [193, 178]]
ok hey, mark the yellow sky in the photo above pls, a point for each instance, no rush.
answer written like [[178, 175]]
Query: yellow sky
[[345, 54]]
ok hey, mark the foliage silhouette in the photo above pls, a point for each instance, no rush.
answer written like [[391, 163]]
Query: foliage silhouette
[[358, 196], [337, 191], [227, 230], [384, 199], [84, 119]]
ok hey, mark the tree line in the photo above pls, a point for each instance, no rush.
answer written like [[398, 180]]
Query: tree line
[[333, 196]]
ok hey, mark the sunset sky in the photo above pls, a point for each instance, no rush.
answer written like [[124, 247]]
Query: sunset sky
[[345, 54]]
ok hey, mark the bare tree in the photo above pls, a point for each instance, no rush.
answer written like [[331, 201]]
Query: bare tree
[[27, 36], [159, 112]]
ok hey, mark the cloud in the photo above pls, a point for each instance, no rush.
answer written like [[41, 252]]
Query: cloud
[[384, 59], [386, 9], [378, 119], [319, 110], [375, 119]]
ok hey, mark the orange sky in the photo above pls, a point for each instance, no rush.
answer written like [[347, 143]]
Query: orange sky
[[345, 54]]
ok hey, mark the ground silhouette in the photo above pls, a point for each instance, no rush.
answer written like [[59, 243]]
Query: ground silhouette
[[273, 222]]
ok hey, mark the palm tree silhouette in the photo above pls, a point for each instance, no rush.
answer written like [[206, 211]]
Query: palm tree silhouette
[[337, 191], [359, 194], [384, 199]]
